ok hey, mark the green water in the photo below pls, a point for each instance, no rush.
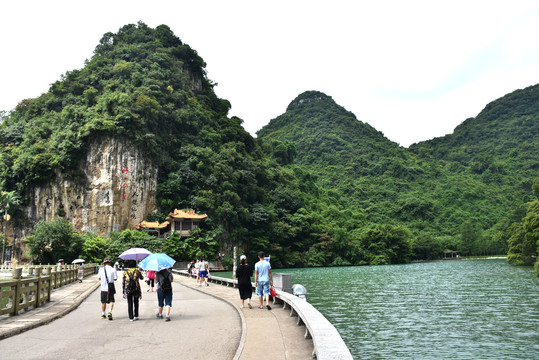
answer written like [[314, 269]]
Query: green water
[[478, 309]]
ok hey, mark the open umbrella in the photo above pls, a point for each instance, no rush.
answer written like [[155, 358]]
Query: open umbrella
[[78, 261], [157, 262], [134, 254]]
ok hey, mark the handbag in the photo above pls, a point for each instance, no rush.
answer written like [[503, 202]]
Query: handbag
[[273, 293], [111, 288]]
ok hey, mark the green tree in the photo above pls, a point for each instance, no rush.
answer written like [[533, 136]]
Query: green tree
[[8, 200], [524, 240], [426, 248], [95, 248], [129, 238], [386, 244], [468, 236], [54, 240]]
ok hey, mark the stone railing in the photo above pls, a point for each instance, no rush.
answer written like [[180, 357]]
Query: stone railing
[[328, 344], [20, 293]]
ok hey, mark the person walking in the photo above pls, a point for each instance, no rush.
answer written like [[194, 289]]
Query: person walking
[[151, 280], [131, 289], [164, 281], [197, 265], [244, 273], [107, 275], [80, 272], [203, 272], [191, 268], [263, 280]]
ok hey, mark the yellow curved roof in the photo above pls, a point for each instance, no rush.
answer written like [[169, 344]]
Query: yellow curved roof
[[187, 214], [152, 225]]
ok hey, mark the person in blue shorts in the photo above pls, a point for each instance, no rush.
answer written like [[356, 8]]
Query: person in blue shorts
[[203, 272], [263, 280], [164, 281]]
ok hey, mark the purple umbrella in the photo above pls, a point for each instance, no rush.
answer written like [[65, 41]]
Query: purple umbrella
[[134, 254]]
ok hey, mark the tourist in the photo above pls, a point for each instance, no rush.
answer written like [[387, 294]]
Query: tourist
[[203, 272], [107, 275], [131, 289], [263, 280], [191, 268], [197, 265], [150, 274], [164, 292], [244, 273], [80, 272]]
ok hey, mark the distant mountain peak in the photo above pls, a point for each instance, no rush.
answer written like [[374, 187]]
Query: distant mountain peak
[[309, 97]]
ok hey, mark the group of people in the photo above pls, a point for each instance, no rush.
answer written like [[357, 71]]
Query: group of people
[[263, 280], [199, 270], [163, 279], [131, 289]]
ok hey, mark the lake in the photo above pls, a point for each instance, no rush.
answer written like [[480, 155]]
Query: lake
[[467, 309]]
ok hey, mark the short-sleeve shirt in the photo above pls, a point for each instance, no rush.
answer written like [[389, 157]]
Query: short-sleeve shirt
[[202, 266], [160, 277], [263, 268], [111, 276]]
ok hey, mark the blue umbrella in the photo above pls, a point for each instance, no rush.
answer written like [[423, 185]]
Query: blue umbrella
[[157, 262]]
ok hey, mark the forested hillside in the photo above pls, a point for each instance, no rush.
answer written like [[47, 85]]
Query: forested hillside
[[318, 187], [145, 85], [447, 204]]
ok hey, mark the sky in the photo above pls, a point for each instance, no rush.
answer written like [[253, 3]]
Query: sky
[[413, 69]]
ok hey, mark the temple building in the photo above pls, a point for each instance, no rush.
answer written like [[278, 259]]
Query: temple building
[[180, 221]]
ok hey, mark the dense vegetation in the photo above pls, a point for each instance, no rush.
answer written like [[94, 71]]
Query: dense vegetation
[[461, 200], [317, 188], [146, 85], [524, 235]]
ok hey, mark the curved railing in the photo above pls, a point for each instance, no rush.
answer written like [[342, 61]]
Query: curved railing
[[327, 341], [19, 293]]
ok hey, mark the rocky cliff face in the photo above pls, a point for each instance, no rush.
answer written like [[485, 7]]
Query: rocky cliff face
[[116, 192]]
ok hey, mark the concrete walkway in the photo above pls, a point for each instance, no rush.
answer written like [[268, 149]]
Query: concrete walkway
[[268, 334], [207, 323]]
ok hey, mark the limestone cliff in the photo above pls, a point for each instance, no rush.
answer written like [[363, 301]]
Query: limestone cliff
[[115, 193]]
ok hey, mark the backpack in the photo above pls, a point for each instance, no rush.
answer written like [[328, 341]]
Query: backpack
[[131, 287], [166, 286]]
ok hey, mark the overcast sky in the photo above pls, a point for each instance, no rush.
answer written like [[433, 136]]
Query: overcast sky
[[412, 69]]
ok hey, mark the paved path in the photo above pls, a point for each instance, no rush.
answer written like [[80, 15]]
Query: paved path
[[207, 323], [271, 335]]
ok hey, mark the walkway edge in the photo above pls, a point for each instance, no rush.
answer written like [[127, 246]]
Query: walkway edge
[[241, 345], [44, 321]]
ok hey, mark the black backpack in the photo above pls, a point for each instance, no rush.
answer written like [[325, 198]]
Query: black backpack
[[166, 286], [131, 287]]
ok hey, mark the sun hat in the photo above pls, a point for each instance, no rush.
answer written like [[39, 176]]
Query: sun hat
[[243, 257], [107, 260]]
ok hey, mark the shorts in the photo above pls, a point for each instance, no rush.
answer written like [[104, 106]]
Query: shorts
[[163, 299], [263, 288], [202, 273], [106, 297]]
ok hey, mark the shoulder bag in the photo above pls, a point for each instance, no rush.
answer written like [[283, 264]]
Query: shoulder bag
[[111, 288]]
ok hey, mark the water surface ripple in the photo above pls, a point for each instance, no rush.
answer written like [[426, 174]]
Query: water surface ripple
[[479, 309]]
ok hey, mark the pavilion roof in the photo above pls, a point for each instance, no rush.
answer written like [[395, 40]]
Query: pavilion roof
[[152, 225], [186, 214]]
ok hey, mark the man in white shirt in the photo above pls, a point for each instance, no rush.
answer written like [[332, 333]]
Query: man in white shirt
[[107, 275]]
